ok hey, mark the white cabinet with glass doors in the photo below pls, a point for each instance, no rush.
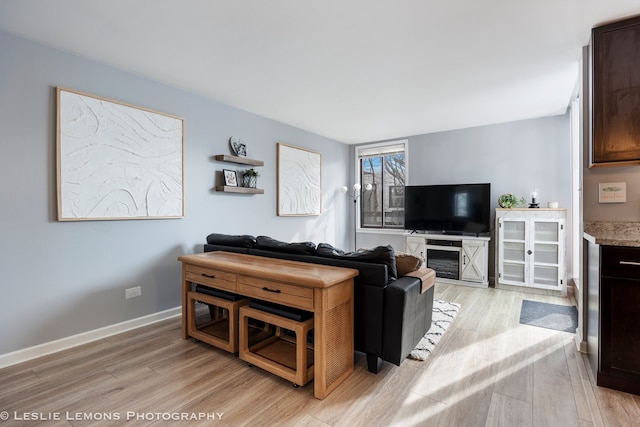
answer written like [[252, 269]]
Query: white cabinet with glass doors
[[530, 250]]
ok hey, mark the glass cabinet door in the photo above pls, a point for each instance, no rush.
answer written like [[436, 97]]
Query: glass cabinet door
[[546, 253], [513, 267]]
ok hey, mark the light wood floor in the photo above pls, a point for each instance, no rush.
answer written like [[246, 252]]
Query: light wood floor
[[488, 370]]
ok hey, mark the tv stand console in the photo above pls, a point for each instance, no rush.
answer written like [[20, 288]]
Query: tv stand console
[[457, 259]]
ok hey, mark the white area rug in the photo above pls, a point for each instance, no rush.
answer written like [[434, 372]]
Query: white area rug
[[443, 314]]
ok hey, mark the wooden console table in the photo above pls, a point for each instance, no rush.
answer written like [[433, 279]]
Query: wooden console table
[[324, 290]]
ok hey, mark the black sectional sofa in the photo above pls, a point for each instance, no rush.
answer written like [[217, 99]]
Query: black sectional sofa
[[391, 313]]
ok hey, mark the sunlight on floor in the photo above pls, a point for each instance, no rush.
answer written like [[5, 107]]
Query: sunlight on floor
[[475, 369]]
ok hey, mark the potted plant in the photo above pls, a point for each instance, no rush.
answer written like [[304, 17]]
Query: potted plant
[[510, 201], [250, 178]]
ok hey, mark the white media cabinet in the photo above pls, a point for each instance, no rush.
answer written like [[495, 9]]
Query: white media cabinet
[[462, 260]]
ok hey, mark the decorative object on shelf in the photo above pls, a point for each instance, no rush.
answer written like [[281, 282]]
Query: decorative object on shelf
[[553, 205], [299, 181], [354, 194], [116, 160], [534, 202], [250, 178], [230, 177], [238, 146], [509, 201]]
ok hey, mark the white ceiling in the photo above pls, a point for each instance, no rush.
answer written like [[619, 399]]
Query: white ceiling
[[351, 70]]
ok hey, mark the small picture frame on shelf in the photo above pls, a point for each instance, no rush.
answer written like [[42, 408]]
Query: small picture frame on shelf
[[230, 178]]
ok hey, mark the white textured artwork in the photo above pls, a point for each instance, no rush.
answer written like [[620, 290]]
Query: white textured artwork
[[299, 181], [116, 161]]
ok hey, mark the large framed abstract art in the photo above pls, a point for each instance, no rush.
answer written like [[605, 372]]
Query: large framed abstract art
[[299, 181], [117, 161]]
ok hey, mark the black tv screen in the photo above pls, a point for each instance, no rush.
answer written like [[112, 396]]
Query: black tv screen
[[452, 209]]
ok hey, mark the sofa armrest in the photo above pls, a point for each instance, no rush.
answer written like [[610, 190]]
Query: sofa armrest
[[407, 317]]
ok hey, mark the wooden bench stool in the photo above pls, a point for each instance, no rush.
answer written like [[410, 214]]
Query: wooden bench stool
[[221, 327], [288, 357]]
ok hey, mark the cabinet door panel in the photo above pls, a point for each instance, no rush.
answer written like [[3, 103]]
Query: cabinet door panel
[[513, 229], [545, 231], [473, 261], [619, 339], [416, 247], [513, 274], [545, 253], [514, 251], [545, 276]]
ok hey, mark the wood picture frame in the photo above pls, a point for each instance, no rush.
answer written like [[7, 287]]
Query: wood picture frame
[[616, 105], [299, 181], [117, 161]]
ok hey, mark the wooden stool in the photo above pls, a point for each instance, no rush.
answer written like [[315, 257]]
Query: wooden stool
[[221, 330], [289, 358]]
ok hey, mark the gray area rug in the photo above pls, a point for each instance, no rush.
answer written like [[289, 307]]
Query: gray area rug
[[551, 316], [443, 314]]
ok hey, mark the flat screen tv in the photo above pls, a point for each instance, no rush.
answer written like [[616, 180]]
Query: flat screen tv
[[448, 209]]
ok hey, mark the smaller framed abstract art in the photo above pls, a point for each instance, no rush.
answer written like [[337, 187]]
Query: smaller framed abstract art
[[117, 161], [299, 181]]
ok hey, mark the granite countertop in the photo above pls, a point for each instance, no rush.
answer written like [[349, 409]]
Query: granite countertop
[[613, 233]]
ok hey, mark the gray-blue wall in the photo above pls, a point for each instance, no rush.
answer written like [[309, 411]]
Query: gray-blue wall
[[514, 157], [64, 278]]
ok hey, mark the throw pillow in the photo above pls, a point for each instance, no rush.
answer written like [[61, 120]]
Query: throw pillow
[[379, 254], [406, 263], [244, 241], [300, 248]]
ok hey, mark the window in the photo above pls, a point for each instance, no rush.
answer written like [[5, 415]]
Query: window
[[382, 172]]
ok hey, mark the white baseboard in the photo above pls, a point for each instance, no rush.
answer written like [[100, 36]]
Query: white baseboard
[[29, 353], [581, 345]]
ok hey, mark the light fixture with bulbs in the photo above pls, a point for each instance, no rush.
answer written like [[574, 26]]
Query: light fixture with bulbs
[[355, 190], [354, 194]]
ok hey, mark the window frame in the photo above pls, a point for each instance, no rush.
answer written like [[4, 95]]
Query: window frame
[[380, 146]]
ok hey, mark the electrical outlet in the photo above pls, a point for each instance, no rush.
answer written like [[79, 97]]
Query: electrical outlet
[[133, 292]]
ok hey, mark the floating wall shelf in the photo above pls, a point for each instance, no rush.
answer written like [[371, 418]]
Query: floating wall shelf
[[242, 190], [238, 160]]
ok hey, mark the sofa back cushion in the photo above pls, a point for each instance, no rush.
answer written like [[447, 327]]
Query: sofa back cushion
[[243, 241], [379, 255], [270, 244], [371, 274]]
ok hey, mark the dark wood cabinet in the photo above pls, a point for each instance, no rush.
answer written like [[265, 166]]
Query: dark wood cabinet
[[619, 341], [616, 93]]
